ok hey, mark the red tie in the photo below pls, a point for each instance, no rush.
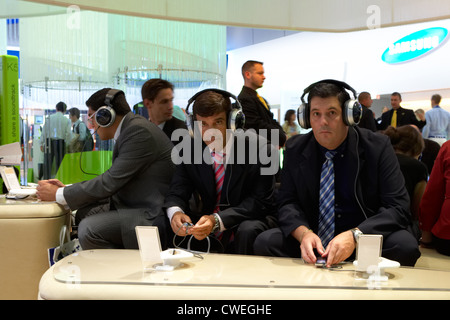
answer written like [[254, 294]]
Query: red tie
[[219, 173]]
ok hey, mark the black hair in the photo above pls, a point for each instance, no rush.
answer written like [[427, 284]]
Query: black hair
[[151, 88], [61, 106], [327, 90], [119, 103]]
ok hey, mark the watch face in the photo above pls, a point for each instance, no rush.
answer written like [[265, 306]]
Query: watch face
[[356, 234]]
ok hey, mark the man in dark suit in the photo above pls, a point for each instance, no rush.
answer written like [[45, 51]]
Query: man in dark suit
[[369, 190], [256, 109], [367, 119], [235, 199], [157, 96], [135, 185], [399, 116]]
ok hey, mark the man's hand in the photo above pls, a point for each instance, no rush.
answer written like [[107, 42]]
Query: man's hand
[[46, 189], [340, 248], [177, 224], [308, 242], [203, 227]]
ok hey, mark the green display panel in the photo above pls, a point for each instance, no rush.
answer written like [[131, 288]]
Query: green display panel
[[9, 100], [92, 164]]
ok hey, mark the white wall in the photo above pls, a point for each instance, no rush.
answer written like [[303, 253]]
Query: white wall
[[3, 37], [292, 63]]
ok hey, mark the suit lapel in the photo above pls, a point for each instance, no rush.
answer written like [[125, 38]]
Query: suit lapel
[[309, 165]]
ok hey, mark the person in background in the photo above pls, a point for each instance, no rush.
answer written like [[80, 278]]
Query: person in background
[[398, 116], [82, 140], [429, 154], [55, 138], [290, 127], [256, 109], [339, 182], [131, 192], [408, 144], [438, 122], [367, 118], [434, 214], [157, 96]]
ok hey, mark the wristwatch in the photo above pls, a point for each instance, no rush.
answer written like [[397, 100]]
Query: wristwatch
[[216, 224], [356, 233]]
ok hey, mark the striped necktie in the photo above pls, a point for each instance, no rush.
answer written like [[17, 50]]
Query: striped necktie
[[394, 119], [326, 200], [219, 174], [263, 101]]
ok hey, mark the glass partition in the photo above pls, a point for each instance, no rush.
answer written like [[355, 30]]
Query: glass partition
[[67, 57]]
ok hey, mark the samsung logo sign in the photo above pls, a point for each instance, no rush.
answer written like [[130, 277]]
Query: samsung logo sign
[[414, 45]]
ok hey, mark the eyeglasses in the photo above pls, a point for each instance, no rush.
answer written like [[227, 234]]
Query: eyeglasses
[[90, 117]]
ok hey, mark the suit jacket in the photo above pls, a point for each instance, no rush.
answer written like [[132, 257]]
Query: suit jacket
[[404, 117], [139, 176], [380, 187], [367, 120], [171, 125], [246, 194], [257, 116]]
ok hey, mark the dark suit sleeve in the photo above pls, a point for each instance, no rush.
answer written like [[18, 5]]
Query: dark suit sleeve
[[385, 120], [291, 205], [181, 189], [367, 120], [137, 147], [254, 119], [392, 212]]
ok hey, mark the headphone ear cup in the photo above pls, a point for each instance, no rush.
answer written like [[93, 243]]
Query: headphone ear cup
[[236, 119], [105, 116], [190, 124], [303, 116], [353, 112]]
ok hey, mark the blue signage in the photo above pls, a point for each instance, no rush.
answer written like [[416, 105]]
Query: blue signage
[[414, 45]]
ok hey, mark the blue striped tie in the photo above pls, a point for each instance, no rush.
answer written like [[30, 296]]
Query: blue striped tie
[[326, 200]]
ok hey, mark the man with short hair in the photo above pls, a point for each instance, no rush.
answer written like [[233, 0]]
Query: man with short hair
[[438, 122], [133, 188], [56, 135], [337, 183], [256, 109], [367, 119], [82, 139], [157, 96], [234, 199], [399, 116]]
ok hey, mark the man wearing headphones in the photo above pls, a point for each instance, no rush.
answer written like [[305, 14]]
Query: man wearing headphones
[[233, 198], [338, 182], [135, 185]]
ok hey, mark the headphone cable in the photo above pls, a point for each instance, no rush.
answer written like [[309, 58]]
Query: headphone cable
[[81, 155]]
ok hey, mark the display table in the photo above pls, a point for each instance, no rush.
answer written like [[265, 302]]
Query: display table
[[27, 229], [119, 274]]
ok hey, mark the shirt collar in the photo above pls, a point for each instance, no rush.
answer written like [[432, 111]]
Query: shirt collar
[[161, 125], [119, 129]]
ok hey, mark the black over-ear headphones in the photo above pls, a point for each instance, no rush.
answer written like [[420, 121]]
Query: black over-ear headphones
[[105, 116], [351, 110], [236, 118]]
